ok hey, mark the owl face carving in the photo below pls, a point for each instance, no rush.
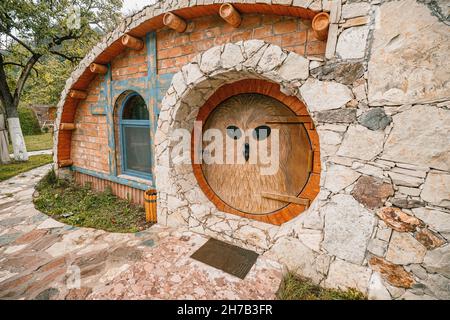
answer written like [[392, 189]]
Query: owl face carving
[[252, 143]]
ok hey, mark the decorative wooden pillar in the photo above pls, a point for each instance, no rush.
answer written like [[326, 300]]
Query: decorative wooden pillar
[[230, 14], [320, 24], [132, 42], [98, 68], [174, 22], [78, 94]]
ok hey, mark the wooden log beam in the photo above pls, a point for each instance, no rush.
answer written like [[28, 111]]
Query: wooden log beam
[[98, 68], [285, 198], [65, 163], [67, 126], [174, 22], [132, 42], [320, 24], [287, 120], [230, 15], [78, 94], [292, 120]]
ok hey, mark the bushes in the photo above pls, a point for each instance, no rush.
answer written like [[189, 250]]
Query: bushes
[[79, 206], [28, 122]]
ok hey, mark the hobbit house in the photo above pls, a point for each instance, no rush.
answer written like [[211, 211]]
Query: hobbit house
[[353, 98]]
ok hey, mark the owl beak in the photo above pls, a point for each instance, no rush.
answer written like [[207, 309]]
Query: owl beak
[[246, 151]]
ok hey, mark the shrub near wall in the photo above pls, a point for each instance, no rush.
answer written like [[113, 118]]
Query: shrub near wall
[[28, 122]]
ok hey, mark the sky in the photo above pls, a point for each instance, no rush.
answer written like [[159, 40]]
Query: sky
[[135, 5]]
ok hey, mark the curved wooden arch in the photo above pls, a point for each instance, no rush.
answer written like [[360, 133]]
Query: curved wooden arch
[[312, 187]]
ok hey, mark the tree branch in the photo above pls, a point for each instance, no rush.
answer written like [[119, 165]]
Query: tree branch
[[62, 55], [22, 43], [5, 93], [59, 40], [24, 75], [20, 65]]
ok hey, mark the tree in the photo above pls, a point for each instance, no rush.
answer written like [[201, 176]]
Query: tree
[[35, 31]]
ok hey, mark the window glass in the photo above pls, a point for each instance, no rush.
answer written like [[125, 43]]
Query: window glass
[[135, 109], [138, 152], [135, 132]]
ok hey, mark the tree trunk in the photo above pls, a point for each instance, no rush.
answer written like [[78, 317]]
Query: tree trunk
[[15, 133], [10, 104], [4, 153], [17, 140]]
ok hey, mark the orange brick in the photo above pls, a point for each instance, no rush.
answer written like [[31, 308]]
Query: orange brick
[[261, 32], [273, 40], [285, 26], [293, 39], [315, 48], [222, 40], [170, 53], [242, 36], [204, 44]]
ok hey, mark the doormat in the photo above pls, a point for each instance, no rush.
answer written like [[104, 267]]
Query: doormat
[[226, 257]]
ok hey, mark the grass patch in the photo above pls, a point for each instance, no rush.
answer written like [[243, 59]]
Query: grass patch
[[79, 206], [294, 287], [37, 142], [14, 168]]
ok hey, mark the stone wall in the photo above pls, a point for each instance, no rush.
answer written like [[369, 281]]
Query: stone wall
[[380, 222]]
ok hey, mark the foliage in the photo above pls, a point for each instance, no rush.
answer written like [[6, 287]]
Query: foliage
[[14, 168], [80, 206], [43, 141], [28, 122], [44, 40], [294, 287]]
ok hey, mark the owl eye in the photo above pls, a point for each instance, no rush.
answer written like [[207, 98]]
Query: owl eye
[[261, 132], [234, 132]]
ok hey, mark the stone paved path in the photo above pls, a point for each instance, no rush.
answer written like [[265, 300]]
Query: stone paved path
[[41, 258]]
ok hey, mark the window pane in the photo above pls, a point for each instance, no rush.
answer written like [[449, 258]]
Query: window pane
[[135, 109], [137, 148]]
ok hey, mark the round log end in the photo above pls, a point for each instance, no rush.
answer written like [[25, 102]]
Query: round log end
[[174, 22], [320, 24], [132, 42], [98, 68], [230, 14]]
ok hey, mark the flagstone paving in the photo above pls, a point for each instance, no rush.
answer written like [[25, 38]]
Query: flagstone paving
[[41, 258]]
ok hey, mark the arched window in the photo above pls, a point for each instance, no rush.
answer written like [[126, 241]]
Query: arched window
[[135, 137]]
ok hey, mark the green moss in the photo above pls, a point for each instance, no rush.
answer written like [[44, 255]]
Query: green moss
[[14, 168], [80, 206], [294, 287]]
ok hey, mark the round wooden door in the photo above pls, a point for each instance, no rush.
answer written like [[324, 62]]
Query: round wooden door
[[270, 158]]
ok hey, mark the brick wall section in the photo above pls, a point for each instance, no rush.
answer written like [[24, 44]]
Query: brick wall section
[[90, 141], [130, 64], [176, 50]]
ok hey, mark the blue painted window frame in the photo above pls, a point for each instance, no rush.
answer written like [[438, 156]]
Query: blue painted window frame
[[123, 123]]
